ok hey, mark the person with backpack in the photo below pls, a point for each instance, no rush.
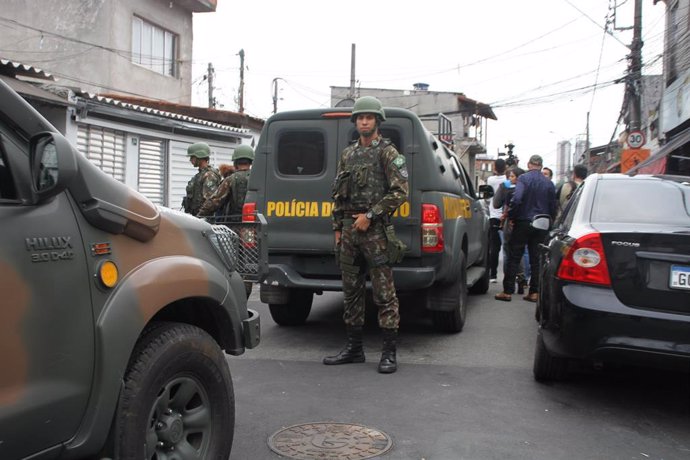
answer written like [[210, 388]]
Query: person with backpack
[[566, 189], [228, 199], [204, 183]]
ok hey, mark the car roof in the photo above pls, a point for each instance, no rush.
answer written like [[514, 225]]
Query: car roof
[[625, 177]]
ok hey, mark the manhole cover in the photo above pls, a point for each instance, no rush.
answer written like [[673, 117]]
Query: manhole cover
[[329, 441]]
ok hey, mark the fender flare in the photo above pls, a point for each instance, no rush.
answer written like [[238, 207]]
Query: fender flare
[[130, 307]]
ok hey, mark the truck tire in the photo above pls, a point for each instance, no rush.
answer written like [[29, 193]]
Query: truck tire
[[547, 367], [296, 311], [454, 294], [177, 397]]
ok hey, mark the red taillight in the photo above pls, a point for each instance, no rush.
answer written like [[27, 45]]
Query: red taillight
[[432, 229], [248, 233], [249, 212], [585, 262]]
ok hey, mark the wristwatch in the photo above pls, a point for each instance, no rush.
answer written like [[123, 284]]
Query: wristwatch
[[369, 215]]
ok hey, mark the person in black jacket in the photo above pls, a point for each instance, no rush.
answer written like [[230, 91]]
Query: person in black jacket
[[534, 195]]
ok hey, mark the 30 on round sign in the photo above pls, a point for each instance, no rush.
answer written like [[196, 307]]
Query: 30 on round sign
[[636, 139]]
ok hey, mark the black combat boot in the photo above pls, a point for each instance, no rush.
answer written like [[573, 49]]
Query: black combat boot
[[388, 363], [353, 351]]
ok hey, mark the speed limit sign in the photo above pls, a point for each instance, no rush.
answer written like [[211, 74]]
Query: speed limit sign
[[636, 139]]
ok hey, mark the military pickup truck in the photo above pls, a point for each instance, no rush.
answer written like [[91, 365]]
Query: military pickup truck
[[114, 313], [443, 224]]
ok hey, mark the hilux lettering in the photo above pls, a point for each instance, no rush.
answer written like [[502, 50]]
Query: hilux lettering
[[47, 243], [50, 249]]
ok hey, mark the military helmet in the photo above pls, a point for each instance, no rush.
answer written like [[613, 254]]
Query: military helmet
[[243, 152], [199, 150], [368, 104]]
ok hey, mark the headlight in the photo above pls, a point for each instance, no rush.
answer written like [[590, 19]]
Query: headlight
[[225, 242]]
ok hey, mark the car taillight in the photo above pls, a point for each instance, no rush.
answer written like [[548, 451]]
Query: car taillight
[[248, 233], [249, 212], [432, 229], [585, 262]]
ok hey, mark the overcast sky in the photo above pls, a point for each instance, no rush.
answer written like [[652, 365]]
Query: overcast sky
[[541, 64]]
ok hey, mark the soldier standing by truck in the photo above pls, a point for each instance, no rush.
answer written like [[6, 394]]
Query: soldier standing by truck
[[202, 185], [371, 183], [230, 195]]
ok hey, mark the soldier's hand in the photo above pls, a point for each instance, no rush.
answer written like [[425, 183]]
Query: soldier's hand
[[361, 223], [338, 234]]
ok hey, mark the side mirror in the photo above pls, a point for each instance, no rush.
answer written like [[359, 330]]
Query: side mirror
[[485, 192], [53, 164], [541, 222]]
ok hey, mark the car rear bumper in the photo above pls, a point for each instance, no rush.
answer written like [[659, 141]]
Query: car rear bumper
[[405, 278], [591, 323]]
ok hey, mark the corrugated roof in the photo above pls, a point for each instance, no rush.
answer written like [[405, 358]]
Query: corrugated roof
[[27, 89], [161, 113], [13, 68]]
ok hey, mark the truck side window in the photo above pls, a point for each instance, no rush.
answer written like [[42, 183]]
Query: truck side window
[[7, 189], [301, 153]]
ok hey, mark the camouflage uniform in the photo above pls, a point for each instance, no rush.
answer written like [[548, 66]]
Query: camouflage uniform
[[229, 197], [369, 178], [200, 188]]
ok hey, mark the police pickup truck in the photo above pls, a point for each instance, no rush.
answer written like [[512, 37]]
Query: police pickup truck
[[443, 223]]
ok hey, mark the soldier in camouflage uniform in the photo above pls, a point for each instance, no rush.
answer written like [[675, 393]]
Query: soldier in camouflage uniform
[[229, 197], [371, 183], [202, 185]]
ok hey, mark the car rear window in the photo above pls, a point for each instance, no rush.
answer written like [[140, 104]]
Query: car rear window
[[642, 201], [301, 153]]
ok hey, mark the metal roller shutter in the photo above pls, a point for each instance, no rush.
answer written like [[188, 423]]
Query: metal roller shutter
[[104, 147], [152, 169]]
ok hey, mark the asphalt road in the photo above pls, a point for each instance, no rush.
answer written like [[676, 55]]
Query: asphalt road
[[455, 396]]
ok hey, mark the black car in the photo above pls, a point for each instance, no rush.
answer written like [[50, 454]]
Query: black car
[[615, 276]]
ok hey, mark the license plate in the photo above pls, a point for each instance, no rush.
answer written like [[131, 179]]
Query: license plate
[[680, 277]]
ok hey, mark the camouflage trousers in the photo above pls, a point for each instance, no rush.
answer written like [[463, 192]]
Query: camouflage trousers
[[359, 253]]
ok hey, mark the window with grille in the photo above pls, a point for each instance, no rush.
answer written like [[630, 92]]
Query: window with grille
[[104, 147], [153, 47]]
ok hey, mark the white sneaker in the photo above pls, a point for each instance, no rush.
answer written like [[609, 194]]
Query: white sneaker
[[493, 280]]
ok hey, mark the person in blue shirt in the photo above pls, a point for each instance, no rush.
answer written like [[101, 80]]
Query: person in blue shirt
[[534, 195]]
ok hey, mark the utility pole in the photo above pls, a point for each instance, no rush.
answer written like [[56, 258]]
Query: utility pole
[[241, 98], [275, 93], [634, 82], [352, 73], [209, 77]]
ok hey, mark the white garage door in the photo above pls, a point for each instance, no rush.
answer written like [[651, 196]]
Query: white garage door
[[104, 147]]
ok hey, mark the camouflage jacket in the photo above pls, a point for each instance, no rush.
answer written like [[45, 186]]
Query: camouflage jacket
[[229, 197], [369, 178], [200, 188]]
